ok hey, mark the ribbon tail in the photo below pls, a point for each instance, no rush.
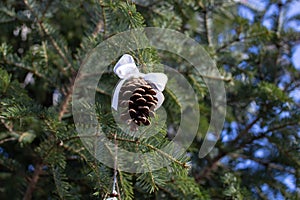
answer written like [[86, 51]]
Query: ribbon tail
[[160, 99], [115, 99]]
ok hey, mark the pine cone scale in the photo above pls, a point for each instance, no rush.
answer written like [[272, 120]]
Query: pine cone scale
[[139, 101]]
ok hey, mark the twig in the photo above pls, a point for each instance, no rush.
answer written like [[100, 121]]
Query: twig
[[260, 193], [58, 49], [101, 91], [167, 191], [227, 44], [104, 17], [207, 170], [279, 19], [19, 65], [65, 104], [208, 26], [33, 182], [212, 77], [9, 127], [46, 8], [7, 140], [265, 163], [54, 43], [245, 131], [168, 156]]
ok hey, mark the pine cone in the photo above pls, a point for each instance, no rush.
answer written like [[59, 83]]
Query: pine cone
[[138, 96]]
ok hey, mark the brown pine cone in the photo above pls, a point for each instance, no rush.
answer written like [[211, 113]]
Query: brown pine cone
[[138, 96]]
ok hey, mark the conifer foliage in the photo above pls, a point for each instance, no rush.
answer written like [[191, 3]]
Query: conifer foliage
[[254, 43]]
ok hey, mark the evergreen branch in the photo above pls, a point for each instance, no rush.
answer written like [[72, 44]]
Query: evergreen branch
[[279, 19], [45, 55], [169, 92], [7, 140], [161, 14], [206, 172], [9, 127], [29, 69], [127, 186], [7, 21], [265, 163], [215, 162], [66, 102], [152, 181], [209, 77], [276, 128], [52, 40], [217, 78], [291, 86], [33, 181], [60, 180], [51, 128], [102, 91], [229, 43], [243, 144], [46, 8], [7, 12], [224, 4], [168, 156], [261, 194], [99, 26], [58, 49], [263, 134], [91, 164], [245, 131], [76, 151], [288, 155], [166, 191], [103, 16], [208, 26]]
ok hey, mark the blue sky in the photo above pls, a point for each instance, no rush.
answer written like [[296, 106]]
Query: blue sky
[[293, 9], [264, 150]]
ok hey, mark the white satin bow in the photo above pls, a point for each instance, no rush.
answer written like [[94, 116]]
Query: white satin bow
[[126, 68]]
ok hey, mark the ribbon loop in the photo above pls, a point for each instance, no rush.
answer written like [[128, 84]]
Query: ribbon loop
[[125, 66], [158, 79]]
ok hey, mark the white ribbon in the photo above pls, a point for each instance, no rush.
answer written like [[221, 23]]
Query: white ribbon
[[126, 68]]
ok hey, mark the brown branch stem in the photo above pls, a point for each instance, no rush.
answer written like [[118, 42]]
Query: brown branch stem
[[33, 182]]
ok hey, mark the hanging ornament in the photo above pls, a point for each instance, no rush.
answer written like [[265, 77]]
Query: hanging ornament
[[138, 95], [111, 198]]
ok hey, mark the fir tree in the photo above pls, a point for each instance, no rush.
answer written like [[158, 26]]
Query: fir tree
[[44, 43]]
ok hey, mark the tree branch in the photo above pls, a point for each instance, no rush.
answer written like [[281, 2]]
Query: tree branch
[[213, 166], [64, 106], [29, 69], [245, 131], [52, 40], [229, 43], [168, 156], [33, 182], [7, 140], [208, 26], [265, 163]]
